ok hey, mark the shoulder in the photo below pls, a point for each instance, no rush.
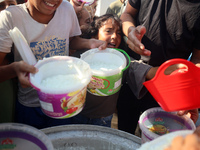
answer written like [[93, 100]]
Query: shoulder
[[13, 12], [137, 3], [65, 5], [66, 9], [14, 8]]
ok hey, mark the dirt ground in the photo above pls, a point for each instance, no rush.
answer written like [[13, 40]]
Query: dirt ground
[[115, 125], [114, 121]]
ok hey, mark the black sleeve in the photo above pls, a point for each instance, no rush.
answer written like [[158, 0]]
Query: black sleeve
[[197, 35], [135, 3]]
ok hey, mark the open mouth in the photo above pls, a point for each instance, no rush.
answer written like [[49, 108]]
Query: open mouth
[[111, 45], [49, 4]]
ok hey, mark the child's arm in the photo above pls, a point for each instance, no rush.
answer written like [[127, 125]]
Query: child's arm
[[151, 73], [78, 43], [16, 69], [140, 72], [137, 74]]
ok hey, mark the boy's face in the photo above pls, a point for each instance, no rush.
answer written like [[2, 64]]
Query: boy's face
[[111, 33], [43, 8]]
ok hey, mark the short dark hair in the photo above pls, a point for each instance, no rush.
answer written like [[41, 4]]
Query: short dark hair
[[97, 23]]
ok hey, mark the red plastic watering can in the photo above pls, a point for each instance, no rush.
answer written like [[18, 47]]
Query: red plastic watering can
[[179, 91]]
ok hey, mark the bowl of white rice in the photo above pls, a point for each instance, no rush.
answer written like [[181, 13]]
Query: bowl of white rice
[[61, 84]]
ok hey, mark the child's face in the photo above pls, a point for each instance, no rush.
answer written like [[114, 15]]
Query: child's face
[[43, 8], [85, 18], [111, 33]]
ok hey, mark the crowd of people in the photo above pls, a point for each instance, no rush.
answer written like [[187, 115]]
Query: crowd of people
[[150, 31]]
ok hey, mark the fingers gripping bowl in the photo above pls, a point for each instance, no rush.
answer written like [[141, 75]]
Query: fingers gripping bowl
[[61, 84]]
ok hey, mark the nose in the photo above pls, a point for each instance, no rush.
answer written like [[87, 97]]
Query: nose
[[114, 35]]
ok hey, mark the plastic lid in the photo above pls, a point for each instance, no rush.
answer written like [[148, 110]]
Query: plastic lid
[[22, 46], [19, 136]]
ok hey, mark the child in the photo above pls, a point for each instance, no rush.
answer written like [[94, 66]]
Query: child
[[84, 17], [99, 110], [78, 5], [50, 28]]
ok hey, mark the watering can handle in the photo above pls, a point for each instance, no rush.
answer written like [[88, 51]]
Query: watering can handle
[[170, 62], [129, 59]]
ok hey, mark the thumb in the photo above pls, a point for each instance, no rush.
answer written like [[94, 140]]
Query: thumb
[[141, 30], [82, 4], [181, 112], [31, 69]]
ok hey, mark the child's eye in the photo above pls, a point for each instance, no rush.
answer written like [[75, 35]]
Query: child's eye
[[11, 4], [88, 21], [108, 30], [119, 32]]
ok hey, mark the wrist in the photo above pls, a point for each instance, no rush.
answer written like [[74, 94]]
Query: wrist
[[14, 67], [151, 73]]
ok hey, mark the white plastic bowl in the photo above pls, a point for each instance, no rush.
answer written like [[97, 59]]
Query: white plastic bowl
[[156, 122], [17, 136]]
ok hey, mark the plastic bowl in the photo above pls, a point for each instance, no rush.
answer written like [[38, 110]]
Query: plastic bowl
[[156, 122], [107, 70], [17, 136], [63, 94]]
